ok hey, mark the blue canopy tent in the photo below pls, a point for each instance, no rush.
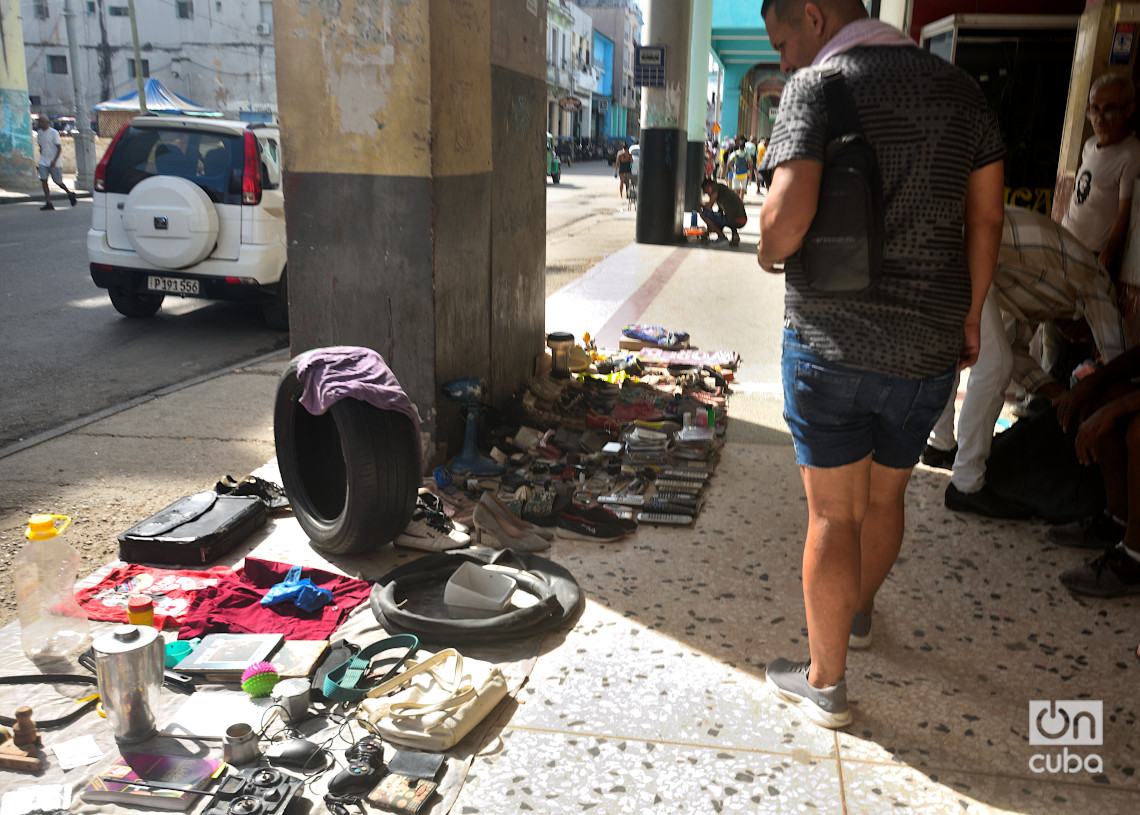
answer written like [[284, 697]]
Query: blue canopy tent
[[113, 113]]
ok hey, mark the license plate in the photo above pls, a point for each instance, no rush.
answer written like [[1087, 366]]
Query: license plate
[[172, 285]]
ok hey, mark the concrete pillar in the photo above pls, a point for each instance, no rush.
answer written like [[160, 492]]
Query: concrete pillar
[[730, 109], [700, 44], [415, 188], [17, 152], [664, 126]]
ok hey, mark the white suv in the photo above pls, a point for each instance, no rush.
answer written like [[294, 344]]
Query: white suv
[[190, 207]]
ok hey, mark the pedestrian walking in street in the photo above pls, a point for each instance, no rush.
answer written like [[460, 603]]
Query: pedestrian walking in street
[[51, 150], [623, 169], [865, 376]]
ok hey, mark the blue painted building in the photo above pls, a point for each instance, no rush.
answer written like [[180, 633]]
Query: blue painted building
[[604, 90]]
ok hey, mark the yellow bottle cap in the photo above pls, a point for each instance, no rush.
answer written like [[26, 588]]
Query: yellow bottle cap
[[42, 527]]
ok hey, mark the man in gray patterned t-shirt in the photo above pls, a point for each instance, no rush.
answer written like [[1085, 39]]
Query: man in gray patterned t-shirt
[[866, 376]]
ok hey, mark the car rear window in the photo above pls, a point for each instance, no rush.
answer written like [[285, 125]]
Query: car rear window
[[213, 161]]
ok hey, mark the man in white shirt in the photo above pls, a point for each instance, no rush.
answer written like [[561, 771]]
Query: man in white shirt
[[51, 149], [1099, 210], [1110, 162]]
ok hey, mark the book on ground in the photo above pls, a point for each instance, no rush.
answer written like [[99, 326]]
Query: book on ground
[[223, 657], [298, 658], [115, 782]]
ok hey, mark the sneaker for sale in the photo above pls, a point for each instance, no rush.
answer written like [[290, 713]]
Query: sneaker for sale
[[431, 530], [1094, 532], [578, 523], [1113, 574], [827, 707], [860, 637]]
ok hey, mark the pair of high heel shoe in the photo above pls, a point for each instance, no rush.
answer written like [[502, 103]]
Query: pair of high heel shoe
[[497, 526]]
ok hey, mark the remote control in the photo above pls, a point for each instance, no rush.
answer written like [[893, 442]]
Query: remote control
[[659, 504], [684, 475], [675, 498], [624, 498], [672, 485], [664, 518]]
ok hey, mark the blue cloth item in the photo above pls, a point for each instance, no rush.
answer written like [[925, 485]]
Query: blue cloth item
[[656, 335], [839, 415], [302, 592]]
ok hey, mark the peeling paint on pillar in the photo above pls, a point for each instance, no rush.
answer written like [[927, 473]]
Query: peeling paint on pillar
[[370, 111], [416, 221]]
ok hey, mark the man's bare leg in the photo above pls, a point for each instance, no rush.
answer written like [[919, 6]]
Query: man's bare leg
[[837, 504], [880, 538]]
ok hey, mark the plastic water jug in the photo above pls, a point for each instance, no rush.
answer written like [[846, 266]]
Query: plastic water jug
[[51, 623]]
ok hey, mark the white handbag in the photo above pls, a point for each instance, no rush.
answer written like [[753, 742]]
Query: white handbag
[[438, 699]]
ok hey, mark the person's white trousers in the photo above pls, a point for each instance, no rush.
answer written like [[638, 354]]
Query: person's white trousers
[[985, 395]]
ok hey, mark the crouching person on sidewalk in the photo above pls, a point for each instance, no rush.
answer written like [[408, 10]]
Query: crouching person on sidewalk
[[1104, 408], [1043, 273], [729, 211], [866, 377]]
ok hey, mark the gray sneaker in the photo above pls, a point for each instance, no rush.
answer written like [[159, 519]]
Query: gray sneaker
[[860, 637], [827, 707], [1113, 574]]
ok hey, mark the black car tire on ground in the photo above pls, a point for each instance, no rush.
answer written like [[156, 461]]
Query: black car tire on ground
[[130, 304], [351, 474], [276, 313]]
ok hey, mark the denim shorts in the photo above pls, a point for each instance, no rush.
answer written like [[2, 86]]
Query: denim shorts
[[838, 415], [718, 218]]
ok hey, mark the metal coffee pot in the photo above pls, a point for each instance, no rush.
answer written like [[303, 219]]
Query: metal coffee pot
[[129, 669]]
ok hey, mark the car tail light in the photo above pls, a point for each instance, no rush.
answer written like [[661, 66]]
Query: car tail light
[[101, 167], [251, 172], [102, 267]]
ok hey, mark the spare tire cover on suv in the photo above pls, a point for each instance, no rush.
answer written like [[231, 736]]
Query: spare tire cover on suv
[[170, 222]]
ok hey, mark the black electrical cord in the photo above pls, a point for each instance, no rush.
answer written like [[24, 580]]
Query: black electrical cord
[[48, 679]]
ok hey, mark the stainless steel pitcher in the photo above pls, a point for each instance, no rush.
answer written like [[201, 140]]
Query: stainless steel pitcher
[[129, 669]]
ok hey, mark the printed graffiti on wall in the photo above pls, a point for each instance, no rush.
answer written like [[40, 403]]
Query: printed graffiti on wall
[[1037, 199]]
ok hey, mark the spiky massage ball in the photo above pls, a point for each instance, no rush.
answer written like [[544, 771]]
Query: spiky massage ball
[[259, 678]]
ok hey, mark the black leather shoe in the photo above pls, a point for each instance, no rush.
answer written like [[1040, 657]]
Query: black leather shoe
[[942, 459], [983, 502]]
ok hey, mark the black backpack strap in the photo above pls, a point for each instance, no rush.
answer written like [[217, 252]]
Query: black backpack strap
[[842, 118]]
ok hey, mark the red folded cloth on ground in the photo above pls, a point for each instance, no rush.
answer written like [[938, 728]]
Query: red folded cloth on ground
[[171, 590], [234, 605]]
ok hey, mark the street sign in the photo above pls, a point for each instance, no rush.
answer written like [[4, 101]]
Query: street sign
[[649, 66], [570, 103]]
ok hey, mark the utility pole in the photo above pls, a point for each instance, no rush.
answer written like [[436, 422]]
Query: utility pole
[[138, 59], [84, 139]]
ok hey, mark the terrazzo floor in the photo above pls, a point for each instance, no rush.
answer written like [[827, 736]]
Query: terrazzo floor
[[655, 701]]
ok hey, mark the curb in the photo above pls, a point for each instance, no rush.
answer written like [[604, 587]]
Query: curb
[[7, 197]]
